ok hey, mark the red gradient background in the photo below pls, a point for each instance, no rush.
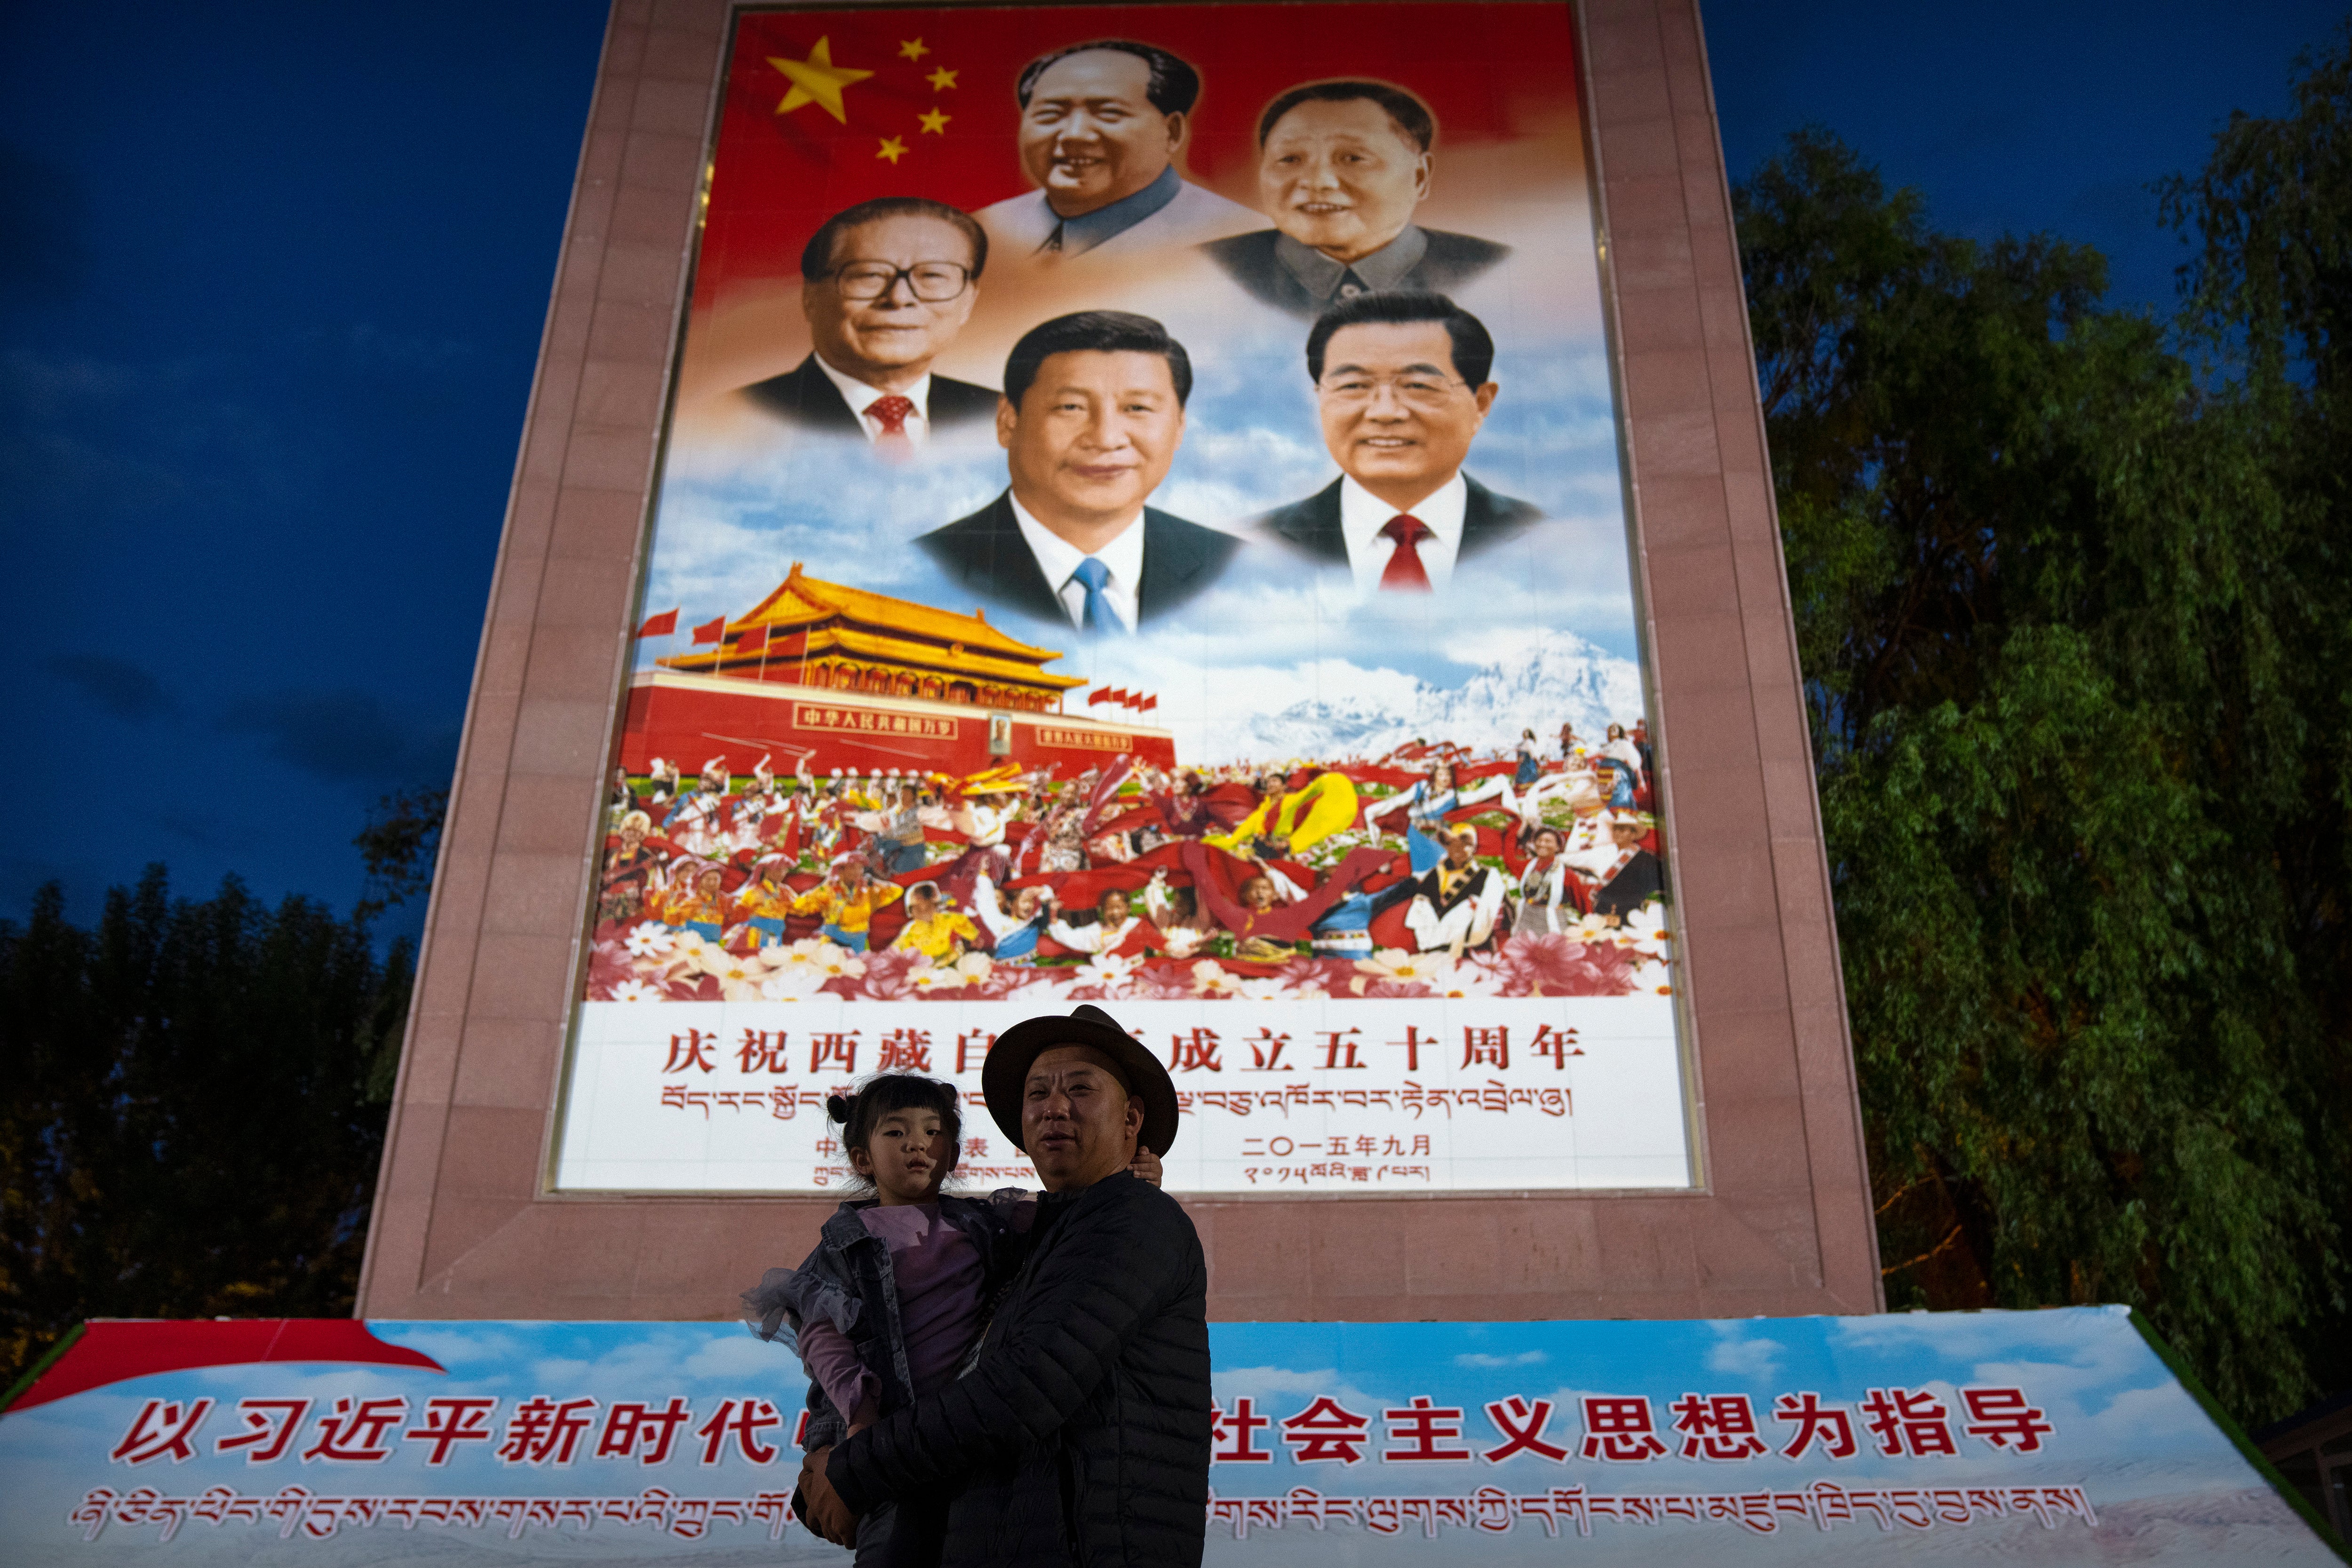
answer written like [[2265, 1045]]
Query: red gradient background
[[1489, 72]]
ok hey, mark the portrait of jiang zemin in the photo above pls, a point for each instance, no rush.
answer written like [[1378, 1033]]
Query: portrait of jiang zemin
[[1141, 504]]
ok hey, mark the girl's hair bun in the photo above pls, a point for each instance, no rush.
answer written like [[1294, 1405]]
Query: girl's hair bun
[[840, 1108]]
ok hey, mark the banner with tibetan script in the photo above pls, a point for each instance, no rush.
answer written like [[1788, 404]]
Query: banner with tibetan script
[[1141, 521], [2056, 1436]]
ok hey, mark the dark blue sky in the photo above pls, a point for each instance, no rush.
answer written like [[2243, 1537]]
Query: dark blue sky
[[271, 284]]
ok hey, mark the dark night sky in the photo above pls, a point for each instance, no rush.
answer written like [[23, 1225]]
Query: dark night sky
[[271, 285]]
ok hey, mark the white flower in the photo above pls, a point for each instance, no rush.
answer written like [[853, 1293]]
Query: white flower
[[636, 991], [1107, 970], [797, 983], [1266, 988], [975, 966], [650, 941], [1404, 969], [1210, 979], [836, 961], [728, 969], [927, 978]]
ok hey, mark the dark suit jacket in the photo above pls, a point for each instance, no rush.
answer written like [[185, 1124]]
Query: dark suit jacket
[[804, 395], [1451, 261], [986, 554], [1312, 526]]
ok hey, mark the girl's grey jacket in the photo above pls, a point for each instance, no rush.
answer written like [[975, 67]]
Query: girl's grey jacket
[[847, 1282]]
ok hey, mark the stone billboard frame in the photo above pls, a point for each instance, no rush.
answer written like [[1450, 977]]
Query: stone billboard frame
[[464, 1223]]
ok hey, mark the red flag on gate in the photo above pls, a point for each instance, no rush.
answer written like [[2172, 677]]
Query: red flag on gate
[[751, 642], [662, 625], [1148, 702], [712, 631], [1116, 694], [1094, 698]]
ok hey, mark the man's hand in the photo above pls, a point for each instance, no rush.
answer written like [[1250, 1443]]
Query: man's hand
[[1147, 1164], [828, 1516]]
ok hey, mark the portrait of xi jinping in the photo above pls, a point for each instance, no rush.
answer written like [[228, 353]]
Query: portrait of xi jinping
[[1091, 419]]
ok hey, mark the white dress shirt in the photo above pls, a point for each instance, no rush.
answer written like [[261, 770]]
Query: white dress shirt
[[1058, 559], [1364, 515], [861, 397]]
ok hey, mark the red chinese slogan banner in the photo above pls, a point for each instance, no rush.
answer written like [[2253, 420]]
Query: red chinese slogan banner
[[1997, 1434]]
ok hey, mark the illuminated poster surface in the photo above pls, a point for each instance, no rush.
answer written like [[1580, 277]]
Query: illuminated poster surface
[[1172, 553], [2012, 1437]]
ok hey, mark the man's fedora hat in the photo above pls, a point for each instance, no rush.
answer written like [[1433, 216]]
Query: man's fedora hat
[[1006, 1070]]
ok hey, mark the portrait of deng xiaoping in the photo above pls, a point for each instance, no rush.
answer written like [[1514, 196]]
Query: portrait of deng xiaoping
[[1141, 521]]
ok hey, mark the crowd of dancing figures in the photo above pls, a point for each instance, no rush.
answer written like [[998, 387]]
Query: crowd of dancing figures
[[1381, 865]]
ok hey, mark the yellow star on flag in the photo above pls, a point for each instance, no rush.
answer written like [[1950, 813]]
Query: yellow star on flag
[[912, 49], [942, 79], [935, 122], [818, 80], [893, 148]]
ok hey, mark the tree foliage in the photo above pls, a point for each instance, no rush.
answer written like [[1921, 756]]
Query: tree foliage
[[2076, 627], [196, 1110]]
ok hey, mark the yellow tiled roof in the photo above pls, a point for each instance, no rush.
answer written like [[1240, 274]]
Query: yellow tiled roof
[[891, 650], [801, 599]]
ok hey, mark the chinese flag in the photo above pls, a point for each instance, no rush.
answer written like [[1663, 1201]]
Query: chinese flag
[[1094, 698], [1148, 703], [712, 631], [751, 642], [662, 625]]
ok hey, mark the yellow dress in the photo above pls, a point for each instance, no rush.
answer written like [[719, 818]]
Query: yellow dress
[[1305, 817], [759, 902], [850, 914], [935, 938]]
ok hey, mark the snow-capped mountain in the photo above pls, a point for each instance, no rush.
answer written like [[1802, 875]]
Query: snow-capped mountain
[[1558, 678]]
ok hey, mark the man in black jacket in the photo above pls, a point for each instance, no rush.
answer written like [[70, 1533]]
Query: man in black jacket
[[1081, 1435]]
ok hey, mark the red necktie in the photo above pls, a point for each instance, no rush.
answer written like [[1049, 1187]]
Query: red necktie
[[890, 412], [1404, 571]]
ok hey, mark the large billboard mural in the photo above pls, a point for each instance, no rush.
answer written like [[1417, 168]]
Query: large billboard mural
[[1141, 521]]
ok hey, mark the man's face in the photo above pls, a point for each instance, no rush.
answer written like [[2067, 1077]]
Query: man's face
[[1025, 904], [1627, 834], [895, 332], [1258, 894], [1457, 853], [1547, 845], [1340, 177], [1077, 1120], [1091, 134], [1095, 434], [1396, 415], [921, 906], [1114, 908]]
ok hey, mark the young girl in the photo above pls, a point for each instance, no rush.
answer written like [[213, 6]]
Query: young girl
[[892, 1300]]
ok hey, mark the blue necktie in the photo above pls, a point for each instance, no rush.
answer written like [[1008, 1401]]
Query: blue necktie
[[1098, 616]]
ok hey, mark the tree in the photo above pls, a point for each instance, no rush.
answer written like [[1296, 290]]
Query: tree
[[190, 1130], [398, 845], [2074, 647]]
